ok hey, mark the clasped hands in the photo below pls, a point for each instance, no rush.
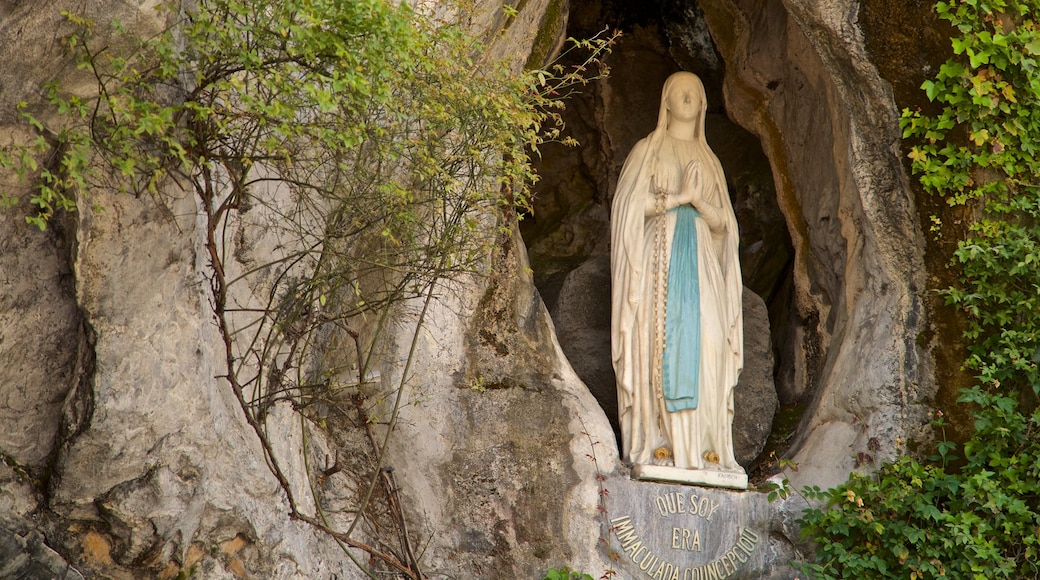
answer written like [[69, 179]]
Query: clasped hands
[[690, 191]]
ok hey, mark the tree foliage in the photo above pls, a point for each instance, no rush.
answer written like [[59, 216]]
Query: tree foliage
[[914, 519]]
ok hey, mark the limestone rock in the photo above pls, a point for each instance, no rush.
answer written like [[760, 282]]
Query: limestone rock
[[800, 78], [25, 555], [24, 552], [533, 34], [494, 450], [40, 338], [165, 459], [17, 497], [582, 318], [754, 400]]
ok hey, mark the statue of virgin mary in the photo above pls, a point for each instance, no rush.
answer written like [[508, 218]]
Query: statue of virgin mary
[[676, 322]]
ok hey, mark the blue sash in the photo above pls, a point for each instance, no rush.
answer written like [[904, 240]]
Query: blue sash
[[682, 351]]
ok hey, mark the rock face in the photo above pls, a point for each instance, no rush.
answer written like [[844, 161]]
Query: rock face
[[41, 337], [501, 445], [581, 314], [26, 555], [148, 464], [163, 458], [799, 77], [24, 551], [754, 400]]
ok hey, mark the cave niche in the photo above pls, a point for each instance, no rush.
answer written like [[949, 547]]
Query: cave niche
[[807, 132], [568, 232]]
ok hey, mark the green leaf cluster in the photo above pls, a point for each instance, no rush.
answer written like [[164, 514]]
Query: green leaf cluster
[[565, 573], [980, 151], [914, 519], [922, 519]]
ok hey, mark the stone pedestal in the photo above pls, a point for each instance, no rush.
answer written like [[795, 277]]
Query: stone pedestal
[[681, 532], [729, 479]]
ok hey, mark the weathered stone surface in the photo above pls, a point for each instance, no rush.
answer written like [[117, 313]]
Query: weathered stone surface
[[581, 315], [533, 34], [165, 459], [24, 552], [39, 330], [686, 532], [754, 400], [26, 556], [492, 451], [909, 42], [159, 465], [17, 497], [801, 80]]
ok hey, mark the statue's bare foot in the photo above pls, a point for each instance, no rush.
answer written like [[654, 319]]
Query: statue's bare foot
[[663, 457]]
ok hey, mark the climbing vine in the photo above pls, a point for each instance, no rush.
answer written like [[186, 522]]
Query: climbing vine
[[348, 159], [981, 151], [927, 519]]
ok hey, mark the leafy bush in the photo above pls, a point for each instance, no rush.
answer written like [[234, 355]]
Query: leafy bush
[[565, 573], [918, 520], [914, 519]]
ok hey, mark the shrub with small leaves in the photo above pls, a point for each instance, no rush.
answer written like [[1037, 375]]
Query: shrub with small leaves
[[565, 573], [914, 519]]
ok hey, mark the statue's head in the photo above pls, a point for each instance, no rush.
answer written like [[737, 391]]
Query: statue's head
[[683, 98]]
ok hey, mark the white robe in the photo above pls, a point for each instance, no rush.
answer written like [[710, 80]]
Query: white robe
[[635, 261]]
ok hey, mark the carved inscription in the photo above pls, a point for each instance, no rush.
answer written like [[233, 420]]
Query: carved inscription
[[677, 503], [682, 512], [684, 539]]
